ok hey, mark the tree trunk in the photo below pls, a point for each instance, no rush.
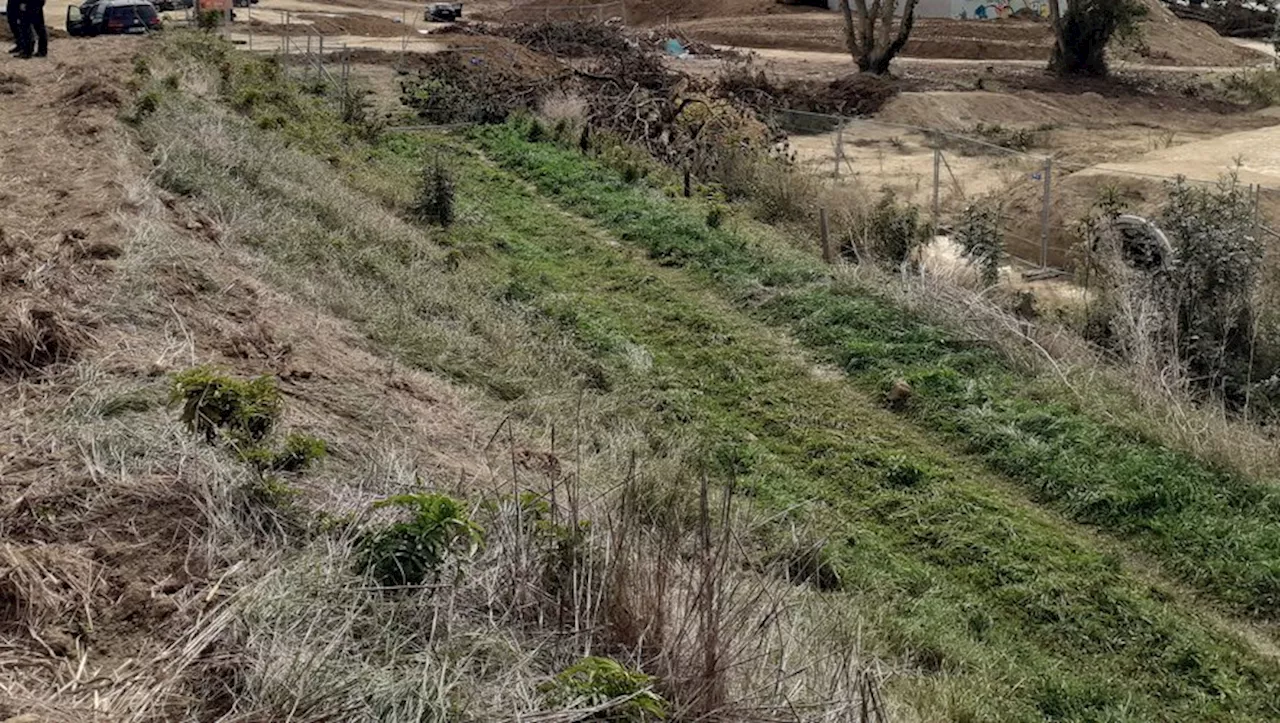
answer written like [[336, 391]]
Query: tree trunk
[[870, 40]]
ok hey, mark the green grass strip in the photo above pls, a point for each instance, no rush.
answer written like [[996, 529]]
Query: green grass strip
[[1216, 531]]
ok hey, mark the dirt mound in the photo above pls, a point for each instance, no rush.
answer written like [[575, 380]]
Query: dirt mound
[[646, 12], [930, 38], [851, 95], [368, 25], [372, 26], [961, 110], [1169, 40]]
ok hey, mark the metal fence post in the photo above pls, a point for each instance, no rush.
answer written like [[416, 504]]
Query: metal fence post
[[839, 147], [824, 234], [937, 185], [320, 60], [1044, 213]]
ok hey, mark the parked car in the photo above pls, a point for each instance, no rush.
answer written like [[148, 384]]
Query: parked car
[[112, 17], [168, 5], [443, 12]]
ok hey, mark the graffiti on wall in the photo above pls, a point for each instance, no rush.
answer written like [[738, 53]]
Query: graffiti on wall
[[993, 9]]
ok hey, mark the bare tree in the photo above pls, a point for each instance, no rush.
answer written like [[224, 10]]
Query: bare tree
[[871, 39]]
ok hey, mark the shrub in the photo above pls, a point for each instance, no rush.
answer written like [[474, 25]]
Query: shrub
[[1258, 86], [594, 681], [891, 232], [981, 241], [209, 20], [246, 411], [1218, 265], [435, 198], [412, 552]]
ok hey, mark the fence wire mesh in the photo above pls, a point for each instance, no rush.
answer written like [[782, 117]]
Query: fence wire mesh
[[946, 172]]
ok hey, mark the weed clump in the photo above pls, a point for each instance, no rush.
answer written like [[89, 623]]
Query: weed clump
[[596, 681], [245, 411], [434, 204], [412, 552]]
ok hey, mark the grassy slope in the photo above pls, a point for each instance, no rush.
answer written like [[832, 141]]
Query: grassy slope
[[1218, 532], [963, 577], [1000, 610]]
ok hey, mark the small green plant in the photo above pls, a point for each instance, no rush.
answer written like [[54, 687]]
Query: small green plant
[[893, 231], [209, 20], [981, 240], [271, 492], [1016, 139], [245, 411], [300, 451], [715, 216], [412, 552], [595, 681], [435, 198]]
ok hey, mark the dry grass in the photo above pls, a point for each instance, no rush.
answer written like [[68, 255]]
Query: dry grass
[[174, 594], [35, 333]]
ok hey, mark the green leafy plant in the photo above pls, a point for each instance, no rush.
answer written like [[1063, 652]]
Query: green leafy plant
[[595, 681], [893, 231], [412, 552], [245, 411], [299, 452], [435, 198], [981, 241]]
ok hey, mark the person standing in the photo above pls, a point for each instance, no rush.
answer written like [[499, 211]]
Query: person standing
[[33, 37], [12, 11]]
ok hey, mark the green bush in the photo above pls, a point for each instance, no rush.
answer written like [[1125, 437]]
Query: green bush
[[893, 232], [594, 681], [435, 198], [412, 552], [978, 235], [245, 411]]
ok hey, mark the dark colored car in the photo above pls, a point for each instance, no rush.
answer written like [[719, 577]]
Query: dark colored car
[[443, 12], [165, 5], [112, 17]]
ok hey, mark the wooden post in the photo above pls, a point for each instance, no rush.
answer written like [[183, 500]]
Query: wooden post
[[688, 186], [825, 235]]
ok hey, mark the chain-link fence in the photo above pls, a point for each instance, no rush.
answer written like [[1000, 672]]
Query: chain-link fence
[[946, 172]]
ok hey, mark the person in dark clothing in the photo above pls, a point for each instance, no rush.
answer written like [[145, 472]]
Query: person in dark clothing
[[11, 13], [33, 38]]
